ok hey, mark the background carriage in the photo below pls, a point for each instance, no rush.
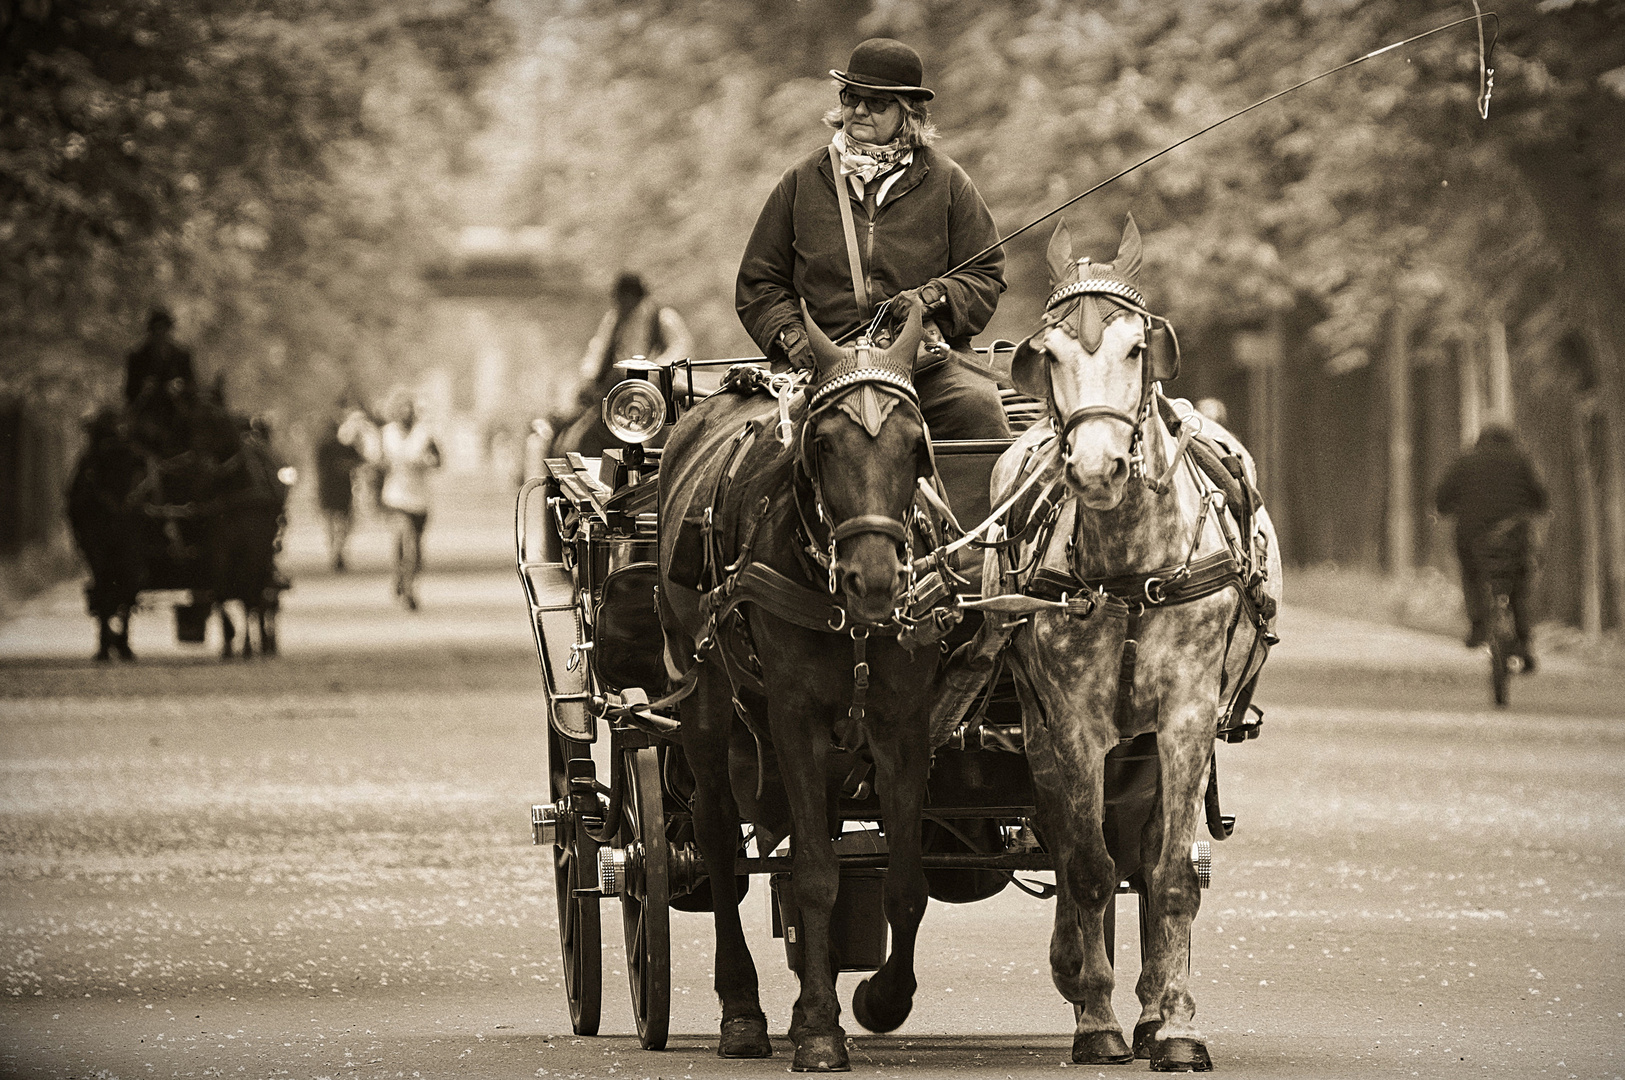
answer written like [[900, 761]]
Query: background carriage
[[617, 821], [202, 522]]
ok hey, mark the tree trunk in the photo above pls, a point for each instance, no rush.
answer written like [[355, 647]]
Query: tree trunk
[[1499, 409], [1585, 488], [1471, 380], [1611, 437], [1401, 520]]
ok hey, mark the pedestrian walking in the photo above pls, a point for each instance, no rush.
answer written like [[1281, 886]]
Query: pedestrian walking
[[408, 453], [337, 459], [1492, 491]]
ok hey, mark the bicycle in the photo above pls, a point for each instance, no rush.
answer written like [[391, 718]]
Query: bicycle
[[1503, 556]]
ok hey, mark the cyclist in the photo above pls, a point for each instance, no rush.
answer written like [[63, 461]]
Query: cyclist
[[1492, 490]]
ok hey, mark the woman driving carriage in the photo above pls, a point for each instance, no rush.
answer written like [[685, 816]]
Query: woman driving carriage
[[911, 214]]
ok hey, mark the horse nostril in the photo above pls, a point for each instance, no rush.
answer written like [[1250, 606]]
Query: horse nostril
[[1119, 470]]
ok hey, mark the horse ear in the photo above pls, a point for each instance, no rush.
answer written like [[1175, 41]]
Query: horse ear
[[1028, 373], [1059, 254], [1127, 261]]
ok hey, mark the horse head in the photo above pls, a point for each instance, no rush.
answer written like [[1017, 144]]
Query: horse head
[[1090, 363], [862, 446]]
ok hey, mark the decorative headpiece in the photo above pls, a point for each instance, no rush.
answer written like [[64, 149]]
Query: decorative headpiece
[[841, 367]]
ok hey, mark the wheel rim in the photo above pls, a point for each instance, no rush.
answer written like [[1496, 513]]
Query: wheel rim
[[645, 902], [1502, 638], [580, 932]]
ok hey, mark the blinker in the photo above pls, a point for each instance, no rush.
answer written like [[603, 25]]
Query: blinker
[[1162, 347]]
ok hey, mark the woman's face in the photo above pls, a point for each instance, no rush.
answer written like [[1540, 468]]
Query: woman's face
[[869, 116]]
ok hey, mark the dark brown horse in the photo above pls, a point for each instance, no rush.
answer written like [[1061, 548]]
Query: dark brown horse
[[1182, 590], [115, 536], [792, 631]]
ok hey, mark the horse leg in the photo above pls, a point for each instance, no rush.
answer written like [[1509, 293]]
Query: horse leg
[[228, 631], [815, 1025], [1165, 1032], [716, 831], [104, 638], [248, 630], [121, 639], [268, 646], [882, 1002], [1085, 884]]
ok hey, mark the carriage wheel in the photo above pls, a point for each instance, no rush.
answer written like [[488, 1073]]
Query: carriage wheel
[[645, 897], [575, 866]]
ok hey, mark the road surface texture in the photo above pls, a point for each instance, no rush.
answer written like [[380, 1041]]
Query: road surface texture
[[320, 865]]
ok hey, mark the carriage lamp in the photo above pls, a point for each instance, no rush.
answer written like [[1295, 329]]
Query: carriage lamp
[[634, 411]]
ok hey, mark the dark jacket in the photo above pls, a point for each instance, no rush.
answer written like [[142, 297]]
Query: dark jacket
[[932, 219], [1491, 482], [158, 360]]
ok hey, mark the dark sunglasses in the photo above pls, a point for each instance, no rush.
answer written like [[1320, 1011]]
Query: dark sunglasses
[[873, 104]]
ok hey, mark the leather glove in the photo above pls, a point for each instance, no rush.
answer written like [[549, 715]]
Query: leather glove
[[793, 340], [933, 294]]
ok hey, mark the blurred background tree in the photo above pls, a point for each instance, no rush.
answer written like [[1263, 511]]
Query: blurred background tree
[[274, 171], [282, 171]]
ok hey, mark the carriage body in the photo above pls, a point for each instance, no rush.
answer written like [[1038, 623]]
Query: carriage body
[[618, 822]]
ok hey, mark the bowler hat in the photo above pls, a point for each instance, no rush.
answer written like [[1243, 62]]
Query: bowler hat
[[888, 65]]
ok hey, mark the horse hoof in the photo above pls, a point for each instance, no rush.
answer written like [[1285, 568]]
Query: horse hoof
[[877, 1014], [1144, 1034], [1100, 1048], [103, 658], [821, 1053], [745, 1037], [1179, 1055], [125, 654]]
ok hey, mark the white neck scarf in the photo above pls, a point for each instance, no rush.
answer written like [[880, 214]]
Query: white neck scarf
[[866, 160]]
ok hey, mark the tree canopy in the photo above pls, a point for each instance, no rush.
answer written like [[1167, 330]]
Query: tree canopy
[[662, 126], [272, 170]]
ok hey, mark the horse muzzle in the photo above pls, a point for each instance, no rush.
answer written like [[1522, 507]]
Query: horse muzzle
[[872, 573], [1098, 457]]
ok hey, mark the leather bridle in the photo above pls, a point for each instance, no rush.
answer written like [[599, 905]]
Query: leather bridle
[[825, 398], [1057, 312]]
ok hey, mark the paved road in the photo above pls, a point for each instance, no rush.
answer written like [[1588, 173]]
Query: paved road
[[320, 865]]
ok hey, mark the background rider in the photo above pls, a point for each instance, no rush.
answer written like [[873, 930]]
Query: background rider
[[1492, 483]]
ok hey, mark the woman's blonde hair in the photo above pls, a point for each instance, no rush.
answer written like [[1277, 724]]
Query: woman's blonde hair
[[916, 129]]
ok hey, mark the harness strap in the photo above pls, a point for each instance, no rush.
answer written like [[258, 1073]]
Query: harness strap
[[860, 286], [1123, 712], [870, 523], [1169, 585]]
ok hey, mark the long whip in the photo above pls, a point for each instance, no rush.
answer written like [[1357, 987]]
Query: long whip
[[1486, 85]]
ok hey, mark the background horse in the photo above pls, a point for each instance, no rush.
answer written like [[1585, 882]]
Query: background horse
[[245, 523], [1182, 592], [115, 537], [813, 536], [177, 498]]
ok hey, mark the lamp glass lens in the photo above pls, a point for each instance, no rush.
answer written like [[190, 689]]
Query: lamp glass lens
[[634, 411]]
